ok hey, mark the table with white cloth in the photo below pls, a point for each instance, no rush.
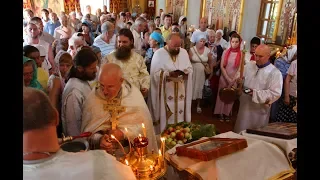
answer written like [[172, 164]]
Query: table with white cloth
[[287, 145], [260, 160]]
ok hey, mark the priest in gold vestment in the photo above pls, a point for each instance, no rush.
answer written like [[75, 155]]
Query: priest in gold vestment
[[132, 110]]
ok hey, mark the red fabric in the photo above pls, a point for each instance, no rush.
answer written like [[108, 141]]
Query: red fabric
[[253, 57], [238, 58]]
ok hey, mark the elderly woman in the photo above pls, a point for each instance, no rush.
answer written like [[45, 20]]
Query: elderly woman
[[220, 41], [30, 77], [230, 65], [199, 54], [156, 42]]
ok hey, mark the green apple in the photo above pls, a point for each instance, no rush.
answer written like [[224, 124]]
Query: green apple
[[168, 140], [187, 129], [173, 143], [187, 135], [173, 135], [177, 131]]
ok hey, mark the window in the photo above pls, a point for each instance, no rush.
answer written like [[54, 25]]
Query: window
[[269, 20]]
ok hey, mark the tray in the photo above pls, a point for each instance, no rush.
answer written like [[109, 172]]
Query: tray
[[277, 130], [211, 148]]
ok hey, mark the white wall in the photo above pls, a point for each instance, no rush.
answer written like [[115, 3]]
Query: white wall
[[251, 10], [193, 15], [161, 4], [95, 4]]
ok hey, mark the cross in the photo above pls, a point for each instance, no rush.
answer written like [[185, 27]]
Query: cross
[[115, 108]]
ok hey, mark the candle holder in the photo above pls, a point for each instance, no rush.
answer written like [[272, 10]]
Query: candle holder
[[143, 164]]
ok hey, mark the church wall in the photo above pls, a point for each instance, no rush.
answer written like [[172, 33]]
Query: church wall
[[160, 4], [286, 21], [36, 5], [193, 12], [251, 11]]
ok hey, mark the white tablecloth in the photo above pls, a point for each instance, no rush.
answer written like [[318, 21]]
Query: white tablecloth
[[285, 144], [260, 160]]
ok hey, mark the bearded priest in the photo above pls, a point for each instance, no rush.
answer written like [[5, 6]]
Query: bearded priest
[[171, 85], [132, 64], [116, 107]]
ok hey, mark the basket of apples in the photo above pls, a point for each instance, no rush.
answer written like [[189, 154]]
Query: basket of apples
[[183, 132]]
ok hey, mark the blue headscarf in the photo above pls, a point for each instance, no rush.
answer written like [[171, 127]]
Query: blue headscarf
[[157, 37], [34, 82]]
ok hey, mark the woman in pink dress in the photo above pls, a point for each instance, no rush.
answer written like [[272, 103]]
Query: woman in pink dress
[[230, 65]]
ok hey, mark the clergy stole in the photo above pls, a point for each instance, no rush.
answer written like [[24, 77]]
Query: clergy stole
[[174, 99]]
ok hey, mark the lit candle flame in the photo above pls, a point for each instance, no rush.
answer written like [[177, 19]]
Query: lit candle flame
[[277, 49], [142, 125], [244, 42], [160, 152], [126, 129], [127, 162], [140, 135], [151, 167], [112, 136]]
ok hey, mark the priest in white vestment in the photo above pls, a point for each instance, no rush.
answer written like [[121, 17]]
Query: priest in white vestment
[[171, 85], [44, 159], [111, 86], [263, 86]]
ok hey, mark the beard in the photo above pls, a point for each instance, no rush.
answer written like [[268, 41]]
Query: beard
[[88, 77], [123, 52], [174, 52]]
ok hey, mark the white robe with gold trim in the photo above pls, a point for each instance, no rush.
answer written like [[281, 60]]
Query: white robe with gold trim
[[169, 102], [95, 118]]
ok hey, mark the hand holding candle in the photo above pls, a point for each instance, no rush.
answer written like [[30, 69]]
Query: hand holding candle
[[113, 137]]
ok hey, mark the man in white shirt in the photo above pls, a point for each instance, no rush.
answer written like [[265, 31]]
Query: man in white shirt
[[138, 28], [202, 31], [92, 16], [107, 40], [42, 35], [44, 159]]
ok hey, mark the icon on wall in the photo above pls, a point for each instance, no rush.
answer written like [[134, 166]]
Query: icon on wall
[[150, 3]]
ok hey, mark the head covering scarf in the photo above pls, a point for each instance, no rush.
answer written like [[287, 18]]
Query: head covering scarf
[[57, 65], [238, 57], [292, 50], [200, 36], [157, 37], [180, 19], [220, 30], [34, 82]]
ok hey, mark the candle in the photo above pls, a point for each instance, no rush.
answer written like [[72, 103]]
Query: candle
[[127, 163], [159, 158], [162, 145], [144, 130], [112, 136], [244, 45], [140, 138], [128, 139]]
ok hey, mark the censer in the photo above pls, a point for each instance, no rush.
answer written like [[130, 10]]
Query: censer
[[143, 164], [229, 95]]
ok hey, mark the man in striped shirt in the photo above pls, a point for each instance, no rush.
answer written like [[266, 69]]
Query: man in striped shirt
[[107, 40]]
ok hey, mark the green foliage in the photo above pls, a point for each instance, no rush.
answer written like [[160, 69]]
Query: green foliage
[[207, 130]]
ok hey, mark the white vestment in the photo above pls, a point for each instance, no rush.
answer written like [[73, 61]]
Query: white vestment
[[169, 101], [95, 118], [267, 84], [91, 165]]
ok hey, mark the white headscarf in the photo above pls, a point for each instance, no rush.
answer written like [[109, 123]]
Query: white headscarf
[[292, 50], [220, 30], [199, 36], [57, 65]]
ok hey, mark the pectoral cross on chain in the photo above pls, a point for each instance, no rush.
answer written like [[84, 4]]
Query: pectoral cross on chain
[[115, 108]]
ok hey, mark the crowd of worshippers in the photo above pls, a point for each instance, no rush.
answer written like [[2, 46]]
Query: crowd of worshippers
[[168, 65]]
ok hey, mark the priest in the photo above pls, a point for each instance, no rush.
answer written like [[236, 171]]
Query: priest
[[262, 86], [116, 107], [171, 85]]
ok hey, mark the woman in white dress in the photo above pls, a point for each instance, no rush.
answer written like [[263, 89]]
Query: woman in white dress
[[198, 55]]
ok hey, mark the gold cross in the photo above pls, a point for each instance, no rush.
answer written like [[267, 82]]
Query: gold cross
[[115, 108]]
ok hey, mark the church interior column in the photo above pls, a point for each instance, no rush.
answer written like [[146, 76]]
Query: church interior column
[[193, 16], [251, 10]]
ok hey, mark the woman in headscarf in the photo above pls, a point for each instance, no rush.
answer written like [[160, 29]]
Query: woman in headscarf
[[57, 82], [283, 63], [30, 75], [220, 41], [229, 66], [183, 26], [156, 42], [198, 55]]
